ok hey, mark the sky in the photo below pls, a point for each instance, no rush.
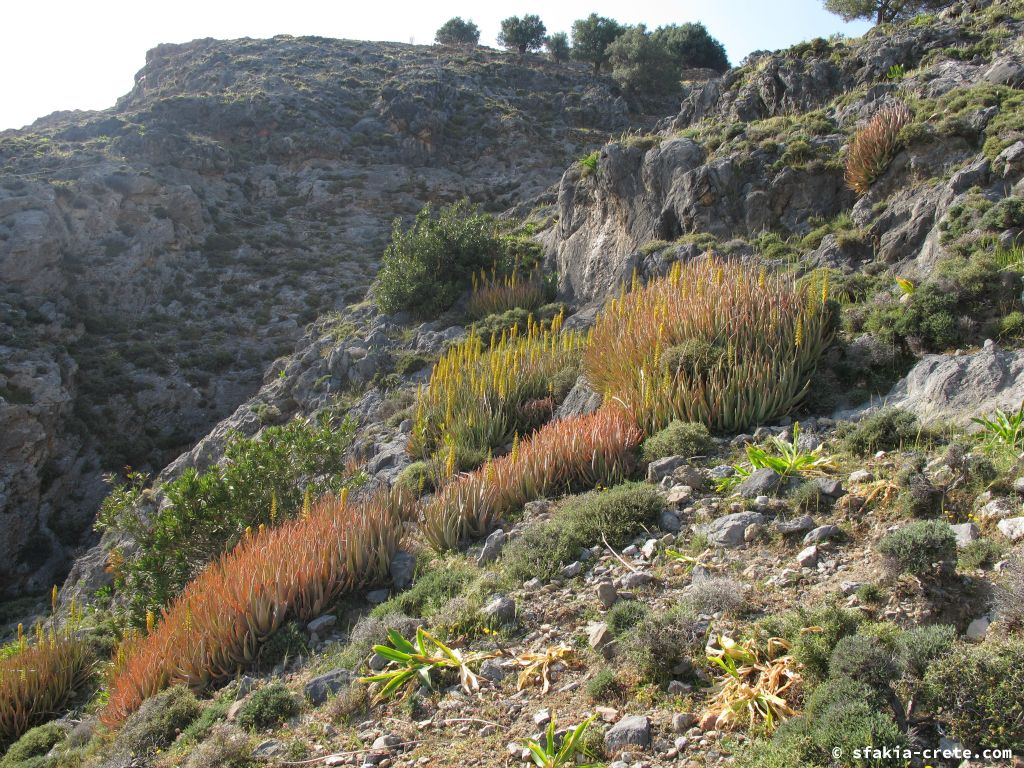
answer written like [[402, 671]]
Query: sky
[[84, 55]]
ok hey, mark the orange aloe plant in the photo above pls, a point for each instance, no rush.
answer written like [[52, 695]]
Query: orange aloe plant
[[216, 625]]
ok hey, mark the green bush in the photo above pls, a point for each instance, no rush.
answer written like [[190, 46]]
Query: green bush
[[604, 685], [813, 649], [31, 749], [431, 591], [625, 615], [268, 706], [662, 646], [886, 430], [1011, 327], [261, 480], [979, 554], [287, 643], [158, 722], [617, 514], [808, 498], [642, 63], [419, 477], [679, 438], [226, 747], [919, 646], [865, 659], [975, 690], [915, 547], [428, 265]]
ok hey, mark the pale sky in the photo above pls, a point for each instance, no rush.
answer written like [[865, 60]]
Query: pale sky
[[84, 55]]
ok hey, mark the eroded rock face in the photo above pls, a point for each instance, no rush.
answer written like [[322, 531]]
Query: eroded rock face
[[956, 388], [156, 257]]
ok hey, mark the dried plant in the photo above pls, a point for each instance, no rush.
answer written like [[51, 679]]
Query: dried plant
[[755, 683], [874, 146], [535, 668], [292, 572], [714, 342], [581, 452], [493, 293], [38, 678], [479, 397]]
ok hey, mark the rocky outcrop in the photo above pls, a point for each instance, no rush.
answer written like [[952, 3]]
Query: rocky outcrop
[[956, 388], [156, 257]]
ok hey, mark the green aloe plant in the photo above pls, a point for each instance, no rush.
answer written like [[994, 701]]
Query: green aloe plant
[[787, 459], [412, 660], [546, 755], [1004, 428]]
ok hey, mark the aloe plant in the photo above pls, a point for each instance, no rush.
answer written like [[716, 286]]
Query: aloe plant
[[547, 755], [788, 459], [418, 659], [1004, 428]]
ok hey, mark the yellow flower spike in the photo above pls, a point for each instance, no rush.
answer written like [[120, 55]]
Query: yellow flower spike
[[273, 507], [53, 599], [307, 503], [344, 496], [150, 622]]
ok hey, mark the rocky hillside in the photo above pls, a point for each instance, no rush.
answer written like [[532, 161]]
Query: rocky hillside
[[758, 506], [157, 256]]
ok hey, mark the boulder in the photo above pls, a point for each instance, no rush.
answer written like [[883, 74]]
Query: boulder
[[634, 731], [761, 482], [728, 531]]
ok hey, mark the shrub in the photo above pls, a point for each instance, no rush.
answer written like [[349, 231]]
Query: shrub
[[808, 498], [431, 590], [272, 576], [351, 701], [865, 659], [268, 706], [427, 266], [557, 46], [158, 722], [225, 747], [37, 680], [261, 481], [874, 146], [914, 548], [604, 685], [691, 45], [625, 615], [813, 648], [919, 646], [419, 477], [982, 553], [494, 293], [287, 643], [480, 398], [715, 594], [575, 453], [679, 438], [615, 515], [30, 750], [592, 36], [661, 647], [455, 31], [776, 332], [886, 430], [975, 689]]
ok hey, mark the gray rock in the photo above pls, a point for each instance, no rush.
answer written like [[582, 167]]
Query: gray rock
[[661, 468], [683, 721], [722, 471], [823, 533], [377, 596], [800, 524], [385, 743], [580, 401], [501, 610], [830, 486], [607, 594], [403, 568], [687, 474], [492, 547], [269, 748], [599, 636], [572, 570], [859, 476], [727, 531], [320, 688], [322, 625], [761, 482], [634, 731], [1012, 528], [966, 533], [633, 580], [1018, 485], [669, 521], [492, 670]]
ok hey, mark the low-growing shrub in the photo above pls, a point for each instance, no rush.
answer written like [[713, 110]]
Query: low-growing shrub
[[662, 646], [864, 658], [915, 547], [431, 590], [980, 554], [30, 750], [679, 438], [615, 515], [580, 452], [975, 690], [268, 706], [285, 644], [225, 747], [886, 430], [604, 686], [874, 146], [773, 331], [715, 594], [158, 722], [1010, 592], [292, 572], [625, 615], [813, 635], [351, 701]]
